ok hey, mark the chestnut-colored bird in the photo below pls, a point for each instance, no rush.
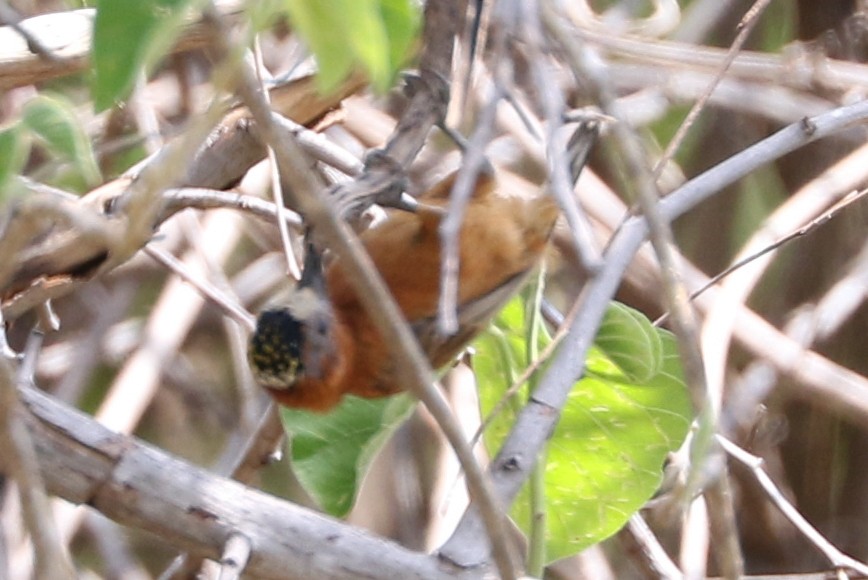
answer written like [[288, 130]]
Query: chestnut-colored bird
[[321, 344]]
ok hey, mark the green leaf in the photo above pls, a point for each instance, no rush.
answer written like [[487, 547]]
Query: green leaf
[[14, 147], [605, 458], [367, 38], [54, 122], [500, 356], [402, 21], [629, 339], [323, 32], [331, 452], [376, 35], [128, 36]]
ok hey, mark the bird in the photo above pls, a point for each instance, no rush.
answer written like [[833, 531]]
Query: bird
[[320, 344]]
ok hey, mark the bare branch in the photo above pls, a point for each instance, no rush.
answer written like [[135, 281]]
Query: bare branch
[[235, 557], [19, 461], [139, 486], [383, 177]]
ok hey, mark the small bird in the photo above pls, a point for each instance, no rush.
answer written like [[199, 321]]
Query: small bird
[[320, 343]]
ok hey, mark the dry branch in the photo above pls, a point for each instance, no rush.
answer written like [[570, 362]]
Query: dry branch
[[139, 486]]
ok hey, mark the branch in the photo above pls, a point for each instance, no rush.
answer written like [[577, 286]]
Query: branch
[[188, 508], [804, 71], [429, 97], [19, 462], [53, 265], [837, 558], [512, 464]]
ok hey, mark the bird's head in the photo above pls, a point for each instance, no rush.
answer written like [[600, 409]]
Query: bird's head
[[294, 338], [293, 341]]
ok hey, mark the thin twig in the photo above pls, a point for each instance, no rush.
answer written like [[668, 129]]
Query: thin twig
[[799, 233], [226, 303], [235, 555], [473, 163], [838, 559], [200, 198], [564, 163], [745, 27], [321, 148], [657, 558], [805, 72], [292, 267], [6, 351]]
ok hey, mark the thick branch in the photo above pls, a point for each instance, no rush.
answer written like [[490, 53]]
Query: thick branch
[[139, 486]]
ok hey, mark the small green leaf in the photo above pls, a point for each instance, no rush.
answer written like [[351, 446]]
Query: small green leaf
[[630, 341], [128, 35], [368, 39], [402, 20], [14, 147], [331, 452], [374, 34], [323, 32], [54, 122]]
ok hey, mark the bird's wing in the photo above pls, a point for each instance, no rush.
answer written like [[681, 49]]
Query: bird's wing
[[473, 317]]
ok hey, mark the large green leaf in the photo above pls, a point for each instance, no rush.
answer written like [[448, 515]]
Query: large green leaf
[[374, 34], [129, 36], [606, 456], [331, 452], [604, 460]]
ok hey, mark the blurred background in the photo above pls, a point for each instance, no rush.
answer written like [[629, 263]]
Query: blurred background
[[146, 353]]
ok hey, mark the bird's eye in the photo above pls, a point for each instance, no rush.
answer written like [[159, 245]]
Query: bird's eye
[[322, 327]]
